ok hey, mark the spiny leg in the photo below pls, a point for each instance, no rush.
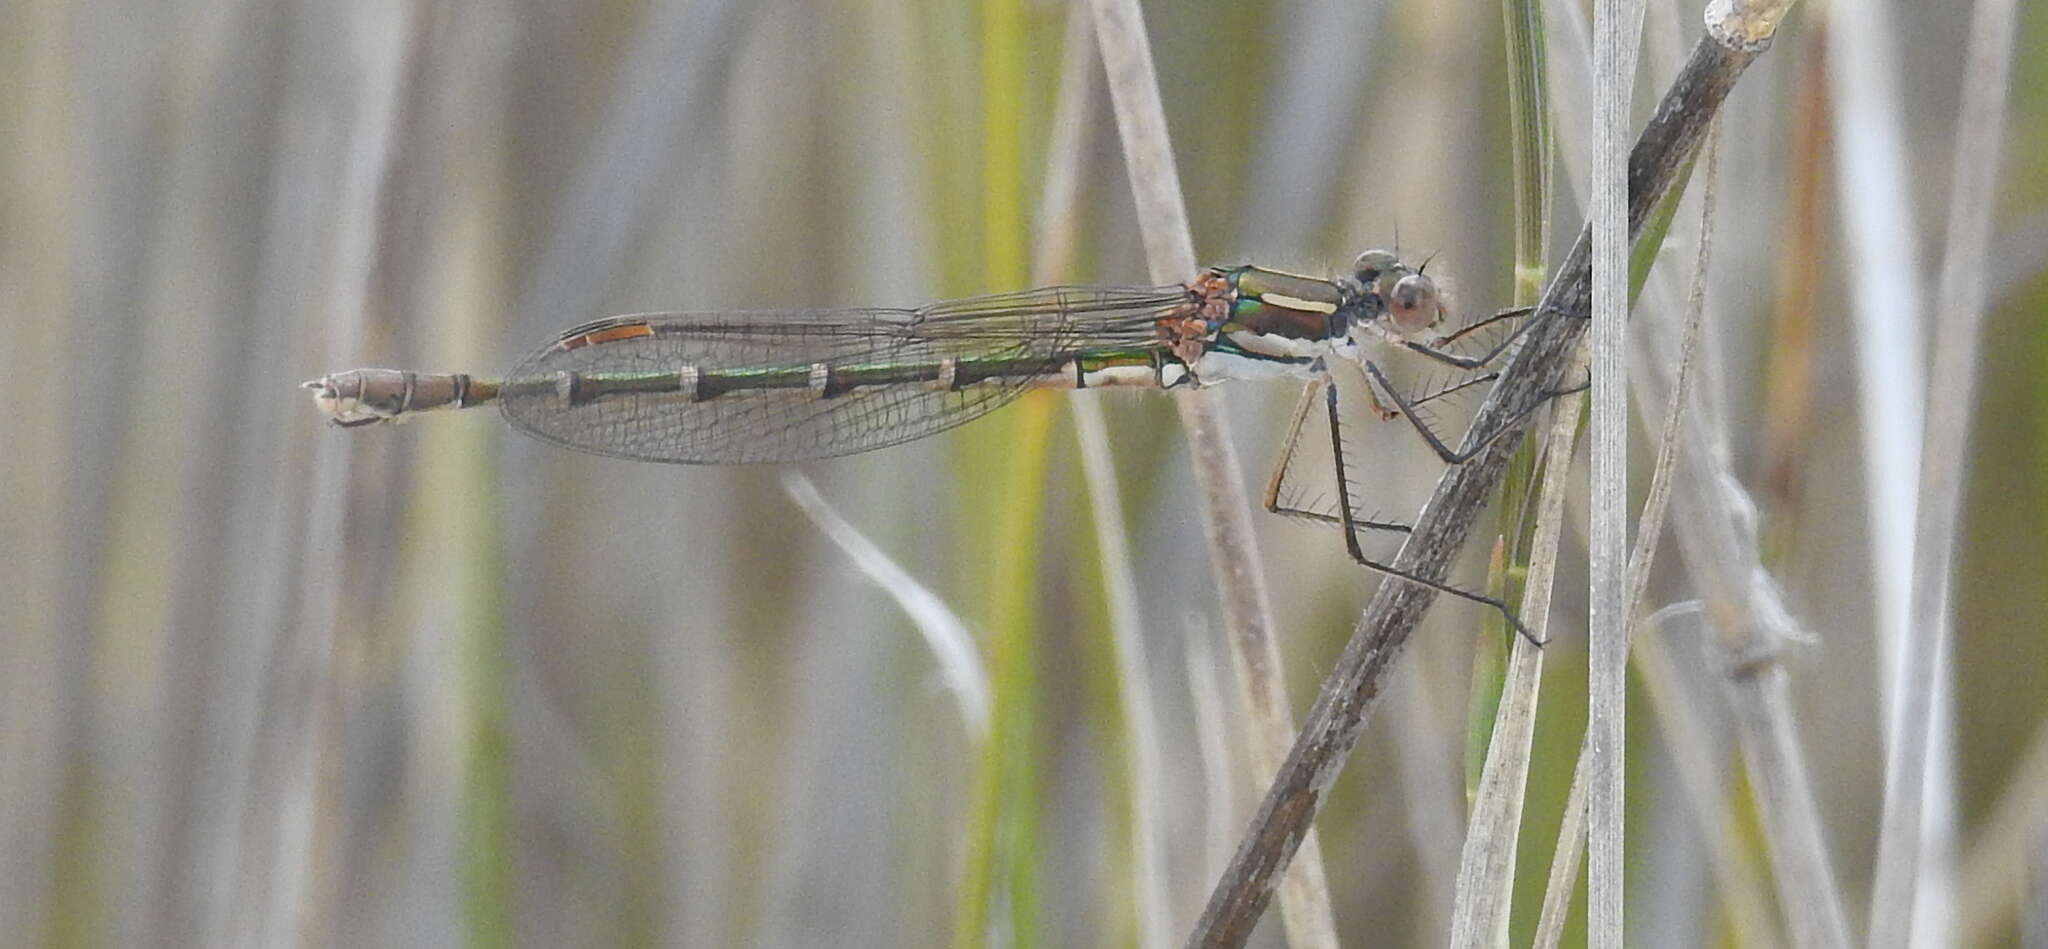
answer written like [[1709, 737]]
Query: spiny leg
[[1457, 387], [1470, 328], [1275, 484], [1443, 451], [1287, 446], [1475, 362], [1448, 358], [1351, 525], [1387, 415]]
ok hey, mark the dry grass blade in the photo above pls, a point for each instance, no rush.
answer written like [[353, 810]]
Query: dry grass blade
[[1747, 635], [1565, 858], [1486, 868], [2009, 838], [1749, 624], [1212, 742], [1696, 753], [1564, 862], [1226, 505], [1876, 193], [1353, 687], [1616, 36], [1073, 119], [1148, 150], [1133, 683], [1873, 187], [947, 637], [1690, 746], [1701, 764], [1951, 394], [1484, 898]]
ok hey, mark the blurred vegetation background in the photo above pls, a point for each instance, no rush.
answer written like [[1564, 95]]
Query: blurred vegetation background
[[267, 683]]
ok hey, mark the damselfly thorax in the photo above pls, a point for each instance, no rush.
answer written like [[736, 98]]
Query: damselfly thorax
[[790, 385]]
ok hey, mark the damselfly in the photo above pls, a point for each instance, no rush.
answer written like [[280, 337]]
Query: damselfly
[[789, 385]]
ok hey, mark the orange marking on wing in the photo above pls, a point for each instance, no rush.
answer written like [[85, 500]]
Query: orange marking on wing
[[609, 334]]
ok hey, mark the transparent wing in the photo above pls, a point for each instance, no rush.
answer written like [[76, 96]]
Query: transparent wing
[[1028, 334]]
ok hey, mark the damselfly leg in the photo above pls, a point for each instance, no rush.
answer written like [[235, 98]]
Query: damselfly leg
[[1407, 406], [1278, 498], [1347, 517], [1450, 456], [1380, 391], [1278, 501], [1513, 312], [1436, 351]]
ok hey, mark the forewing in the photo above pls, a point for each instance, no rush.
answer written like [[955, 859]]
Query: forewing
[[1039, 329]]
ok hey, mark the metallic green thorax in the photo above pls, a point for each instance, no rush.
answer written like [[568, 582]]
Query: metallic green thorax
[[1277, 303]]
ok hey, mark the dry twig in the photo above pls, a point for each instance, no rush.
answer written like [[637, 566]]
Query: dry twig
[[1735, 37]]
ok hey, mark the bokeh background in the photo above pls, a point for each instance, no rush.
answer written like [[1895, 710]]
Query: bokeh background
[[264, 682]]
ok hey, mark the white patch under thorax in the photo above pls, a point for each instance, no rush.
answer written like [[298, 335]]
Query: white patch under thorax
[[1286, 347], [1122, 376], [1222, 366]]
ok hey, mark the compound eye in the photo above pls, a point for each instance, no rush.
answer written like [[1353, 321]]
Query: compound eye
[[1414, 304], [1371, 264]]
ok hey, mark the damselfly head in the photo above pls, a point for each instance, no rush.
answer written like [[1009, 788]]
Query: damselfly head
[[1409, 300], [1413, 305]]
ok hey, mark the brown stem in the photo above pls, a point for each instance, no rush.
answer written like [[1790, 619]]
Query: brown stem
[[1352, 688]]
